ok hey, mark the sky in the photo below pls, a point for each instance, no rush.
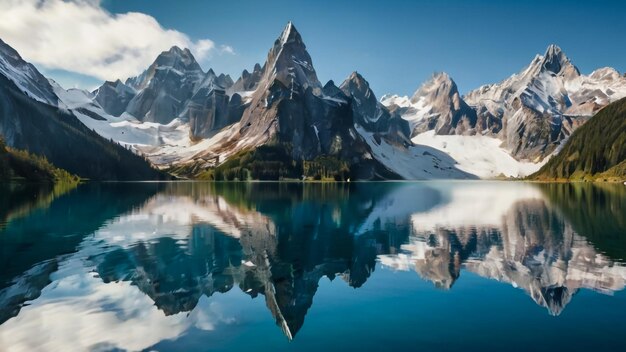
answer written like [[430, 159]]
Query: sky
[[395, 44]]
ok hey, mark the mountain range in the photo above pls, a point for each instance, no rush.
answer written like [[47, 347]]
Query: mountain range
[[279, 121], [33, 118]]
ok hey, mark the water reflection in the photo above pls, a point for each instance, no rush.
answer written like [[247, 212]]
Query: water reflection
[[517, 237], [135, 268]]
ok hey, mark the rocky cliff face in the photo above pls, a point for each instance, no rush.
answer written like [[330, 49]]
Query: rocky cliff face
[[165, 86], [370, 114], [211, 108], [25, 76], [437, 105], [114, 97], [248, 81]]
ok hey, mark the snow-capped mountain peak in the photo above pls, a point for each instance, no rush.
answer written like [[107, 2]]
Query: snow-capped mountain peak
[[436, 105], [289, 62], [290, 35], [439, 86], [25, 76], [177, 60], [550, 94], [555, 60]]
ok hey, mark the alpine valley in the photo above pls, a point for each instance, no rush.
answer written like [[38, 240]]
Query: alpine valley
[[280, 122]]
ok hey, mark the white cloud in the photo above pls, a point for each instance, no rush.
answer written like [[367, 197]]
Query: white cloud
[[80, 36], [227, 49]]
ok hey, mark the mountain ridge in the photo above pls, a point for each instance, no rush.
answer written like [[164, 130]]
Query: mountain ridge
[[182, 117], [36, 121]]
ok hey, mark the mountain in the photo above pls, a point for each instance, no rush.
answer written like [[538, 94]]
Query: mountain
[[279, 121], [210, 108], [509, 128], [248, 82], [291, 114], [594, 151], [437, 105], [32, 118], [165, 86], [114, 97], [370, 114], [276, 121], [542, 105]]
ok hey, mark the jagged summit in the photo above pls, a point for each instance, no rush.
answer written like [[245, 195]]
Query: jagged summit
[[248, 81], [356, 85], [185, 55], [554, 60], [290, 35], [289, 62], [440, 84], [541, 105], [180, 60]]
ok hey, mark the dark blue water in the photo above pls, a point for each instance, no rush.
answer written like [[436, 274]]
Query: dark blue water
[[318, 267]]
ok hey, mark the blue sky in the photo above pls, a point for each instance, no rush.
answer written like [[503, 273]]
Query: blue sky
[[395, 44]]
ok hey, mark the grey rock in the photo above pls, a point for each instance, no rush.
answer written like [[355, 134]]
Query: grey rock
[[114, 97], [165, 87]]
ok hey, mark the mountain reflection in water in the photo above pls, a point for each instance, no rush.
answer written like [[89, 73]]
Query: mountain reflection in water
[[145, 267]]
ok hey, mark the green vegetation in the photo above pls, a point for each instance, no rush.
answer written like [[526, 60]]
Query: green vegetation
[[22, 166], [268, 163], [326, 168], [595, 152]]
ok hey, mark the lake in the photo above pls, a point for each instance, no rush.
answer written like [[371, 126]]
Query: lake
[[429, 266]]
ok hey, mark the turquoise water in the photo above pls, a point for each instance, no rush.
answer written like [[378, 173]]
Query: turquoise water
[[427, 266]]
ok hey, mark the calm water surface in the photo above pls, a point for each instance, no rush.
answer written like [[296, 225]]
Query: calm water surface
[[424, 266]]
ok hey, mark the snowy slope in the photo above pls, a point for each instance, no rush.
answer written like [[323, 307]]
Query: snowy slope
[[479, 155], [417, 162], [25, 76]]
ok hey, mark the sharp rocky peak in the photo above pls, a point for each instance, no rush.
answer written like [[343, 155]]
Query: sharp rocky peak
[[554, 60], [439, 85], [290, 35], [178, 58], [356, 85], [175, 58], [289, 62]]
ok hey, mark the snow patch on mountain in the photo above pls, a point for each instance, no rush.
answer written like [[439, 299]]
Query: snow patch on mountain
[[478, 155], [414, 162], [25, 76]]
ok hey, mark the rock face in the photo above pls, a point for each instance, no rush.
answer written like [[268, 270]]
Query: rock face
[[248, 81], [175, 86], [210, 108], [114, 97], [370, 114], [165, 86], [437, 105]]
